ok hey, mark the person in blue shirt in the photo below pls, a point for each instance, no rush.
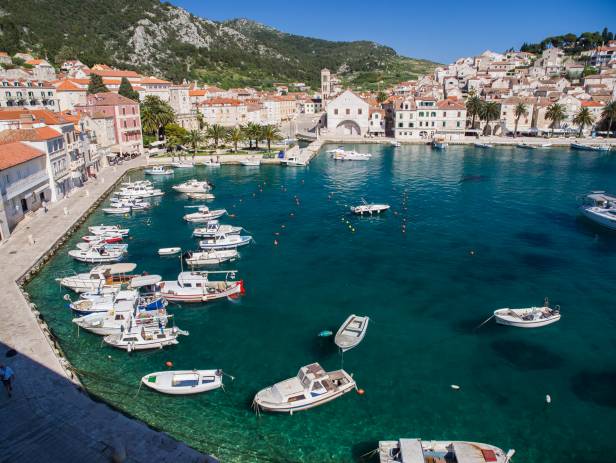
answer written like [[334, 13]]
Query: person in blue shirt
[[7, 374]]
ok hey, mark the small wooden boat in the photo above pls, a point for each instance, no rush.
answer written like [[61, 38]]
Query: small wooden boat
[[214, 257], [531, 317], [586, 147], [109, 238], [211, 163], [213, 228], [294, 161], [222, 241], [105, 229], [116, 210], [253, 161], [140, 338], [182, 165], [340, 154], [527, 146], [395, 143], [352, 332], [483, 145], [204, 214], [439, 144], [312, 386], [168, 251], [418, 451], [183, 382], [205, 196], [199, 287], [96, 255], [113, 321], [101, 244], [101, 276], [138, 192], [369, 209], [158, 170]]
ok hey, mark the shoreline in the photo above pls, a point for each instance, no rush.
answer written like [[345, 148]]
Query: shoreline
[[49, 403]]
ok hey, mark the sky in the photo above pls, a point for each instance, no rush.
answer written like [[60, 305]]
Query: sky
[[443, 32]]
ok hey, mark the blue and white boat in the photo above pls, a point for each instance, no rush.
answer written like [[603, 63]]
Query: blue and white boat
[[600, 208], [585, 147], [222, 241]]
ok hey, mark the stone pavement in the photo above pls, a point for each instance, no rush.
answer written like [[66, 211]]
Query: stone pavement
[[50, 418]]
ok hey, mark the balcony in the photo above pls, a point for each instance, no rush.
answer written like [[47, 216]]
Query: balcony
[[25, 184]]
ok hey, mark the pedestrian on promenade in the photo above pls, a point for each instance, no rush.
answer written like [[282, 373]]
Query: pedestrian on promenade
[[45, 206], [7, 374]]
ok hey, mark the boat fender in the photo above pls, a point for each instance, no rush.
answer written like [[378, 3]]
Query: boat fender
[[168, 363], [360, 392], [455, 387]]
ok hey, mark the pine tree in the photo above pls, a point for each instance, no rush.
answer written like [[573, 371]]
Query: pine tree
[[126, 89], [96, 85]]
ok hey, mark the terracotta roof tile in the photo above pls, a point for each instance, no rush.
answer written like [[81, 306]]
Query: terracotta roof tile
[[15, 153], [34, 134]]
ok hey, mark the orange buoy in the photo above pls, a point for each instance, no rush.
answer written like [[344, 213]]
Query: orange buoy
[[361, 391], [169, 363]]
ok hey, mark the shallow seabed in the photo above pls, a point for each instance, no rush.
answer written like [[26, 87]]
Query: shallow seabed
[[485, 228]]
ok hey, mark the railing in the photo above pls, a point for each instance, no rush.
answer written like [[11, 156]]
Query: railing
[[25, 184]]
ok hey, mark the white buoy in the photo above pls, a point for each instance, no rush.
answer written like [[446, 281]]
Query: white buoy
[[548, 399], [455, 387]]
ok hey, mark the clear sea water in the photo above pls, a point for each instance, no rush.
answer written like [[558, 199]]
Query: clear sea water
[[484, 229]]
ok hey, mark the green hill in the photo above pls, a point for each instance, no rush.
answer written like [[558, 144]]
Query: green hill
[[159, 38]]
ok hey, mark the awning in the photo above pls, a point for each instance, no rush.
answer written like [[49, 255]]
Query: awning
[[41, 188], [145, 280]]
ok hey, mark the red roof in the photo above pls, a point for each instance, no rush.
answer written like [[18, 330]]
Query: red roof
[[450, 104], [115, 73], [68, 86], [34, 134], [109, 99], [221, 102], [591, 104], [15, 153]]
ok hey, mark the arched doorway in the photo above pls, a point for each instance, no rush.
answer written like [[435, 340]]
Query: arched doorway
[[348, 128]]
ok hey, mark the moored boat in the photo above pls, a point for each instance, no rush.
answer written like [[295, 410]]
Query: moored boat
[[483, 145], [340, 154], [213, 257], [101, 276], [204, 214], [169, 251], [531, 317], [222, 241], [140, 338], [96, 255], [182, 165], [183, 382], [600, 208], [198, 287], [104, 229], [213, 228], [108, 238], [418, 451], [294, 161], [193, 186], [113, 321], [204, 196], [312, 386], [351, 332], [588, 147], [252, 161], [158, 170], [116, 210], [369, 209], [439, 144]]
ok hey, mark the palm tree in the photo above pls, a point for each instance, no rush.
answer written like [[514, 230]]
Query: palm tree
[[155, 114], [270, 133], [149, 122], [473, 108], [583, 118], [253, 132], [555, 113], [172, 143], [519, 111], [216, 132], [235, 136], [194, 138], [609, 114], [490, 111]]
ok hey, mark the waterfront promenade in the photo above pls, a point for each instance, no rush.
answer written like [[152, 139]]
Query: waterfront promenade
[[50, 418]]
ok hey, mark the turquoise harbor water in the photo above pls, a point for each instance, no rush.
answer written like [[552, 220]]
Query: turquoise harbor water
[[484, 229]]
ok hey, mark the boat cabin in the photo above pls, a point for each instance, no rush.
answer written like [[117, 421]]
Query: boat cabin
[[200, 279], [416, 451], [602, 200]]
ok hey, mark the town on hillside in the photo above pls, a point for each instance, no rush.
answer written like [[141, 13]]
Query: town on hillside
[[60, 127]]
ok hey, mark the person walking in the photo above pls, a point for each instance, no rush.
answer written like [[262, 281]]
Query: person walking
[[7, 375], [45, 206]]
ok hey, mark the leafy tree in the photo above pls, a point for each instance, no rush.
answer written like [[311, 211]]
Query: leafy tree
[[589, 71], [556, 114], [519, 111], [126, 89], [381, 97], [194, 138], [176, 131], [216, 132], [583, 118], [96, 85], [64, 54], [270, 133], [609, 114], [236, 135], [155, 115], [489, 112], [473, 108], [18, 61]]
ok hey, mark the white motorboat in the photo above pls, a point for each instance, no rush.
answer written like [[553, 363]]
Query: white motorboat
[[587, 147], [531, 317], [182, 165], [312, 386], [529, 146], [222, 241], [351, 332], [204, 196], [106, 246], [105, 229], [116, 210], [600, 208], [369, 209], [183, 382], [211, 163], [140, 338], [137, 183], [135, 204], [395, 143], [483, 145], [204, 214], [113, 321], [139, 192], [169, 251], [198, 287], [101, 276], [339, 154], [103, 237], [96, 255], [158, 170], [418, 451], [252, 161], [193, 186], [213, 228], [124, 300], [294, 161], [214, 257]]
